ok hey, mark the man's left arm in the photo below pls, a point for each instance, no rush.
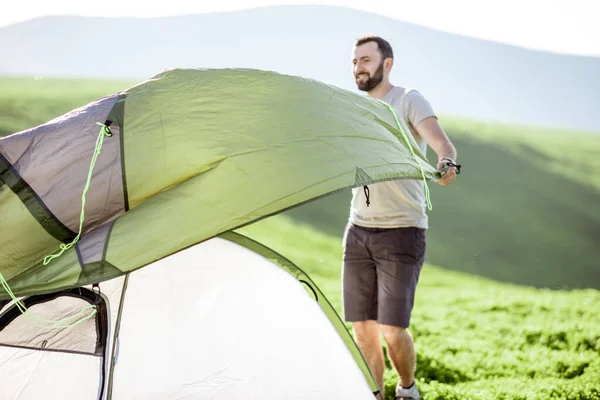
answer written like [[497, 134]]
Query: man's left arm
[[423, 118], [431, 130]]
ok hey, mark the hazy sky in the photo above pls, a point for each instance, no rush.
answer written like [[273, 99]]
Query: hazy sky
[[563, 26]]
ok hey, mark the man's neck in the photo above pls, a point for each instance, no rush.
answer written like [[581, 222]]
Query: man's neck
[[381, 90]]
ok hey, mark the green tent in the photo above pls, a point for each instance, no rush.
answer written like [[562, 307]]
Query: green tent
[[175, 162]]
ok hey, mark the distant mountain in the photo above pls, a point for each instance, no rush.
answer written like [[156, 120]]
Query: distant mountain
[[461, 76]]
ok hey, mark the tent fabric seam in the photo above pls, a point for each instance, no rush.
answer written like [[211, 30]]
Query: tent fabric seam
[[115, 336], [82, 353], [53, 225]]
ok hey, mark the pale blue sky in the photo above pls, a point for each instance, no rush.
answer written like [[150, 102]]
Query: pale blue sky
[[568, 27]]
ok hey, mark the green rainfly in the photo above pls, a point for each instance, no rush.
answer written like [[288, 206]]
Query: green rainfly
[[185, 156]]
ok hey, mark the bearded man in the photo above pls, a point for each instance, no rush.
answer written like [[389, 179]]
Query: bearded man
[[384, 241]]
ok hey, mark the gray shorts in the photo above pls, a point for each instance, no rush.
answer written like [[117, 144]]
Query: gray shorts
[[380, 273]]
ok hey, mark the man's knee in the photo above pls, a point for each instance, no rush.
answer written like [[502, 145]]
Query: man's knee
[[366, 331], [391, 333]]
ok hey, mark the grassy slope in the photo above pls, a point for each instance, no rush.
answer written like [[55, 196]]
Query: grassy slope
[[475, 338], [524, 209], [27, 102], [568, 154]]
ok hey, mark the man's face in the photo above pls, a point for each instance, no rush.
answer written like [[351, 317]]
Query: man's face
[[367, 66]]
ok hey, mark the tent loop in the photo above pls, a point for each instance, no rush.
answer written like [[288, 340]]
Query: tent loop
[[450, 163], [98, 293], [106, 127]]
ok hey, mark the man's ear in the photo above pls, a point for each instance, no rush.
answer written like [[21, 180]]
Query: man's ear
[[388, 64]]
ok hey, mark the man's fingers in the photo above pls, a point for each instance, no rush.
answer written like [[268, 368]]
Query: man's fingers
[[448, 177]]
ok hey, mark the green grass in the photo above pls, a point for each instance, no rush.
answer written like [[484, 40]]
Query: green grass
[[28, 102], [475, 338], [524, 210], [570, 154]]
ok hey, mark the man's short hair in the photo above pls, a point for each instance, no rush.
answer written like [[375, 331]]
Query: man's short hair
[[384, 46]]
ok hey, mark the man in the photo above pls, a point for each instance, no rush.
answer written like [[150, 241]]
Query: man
[[384, 242]]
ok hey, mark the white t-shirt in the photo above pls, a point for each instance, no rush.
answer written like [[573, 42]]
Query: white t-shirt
[[395, 204]]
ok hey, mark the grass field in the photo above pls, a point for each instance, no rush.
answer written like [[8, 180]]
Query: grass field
[[475, 338], [524, 210], [28, 102]]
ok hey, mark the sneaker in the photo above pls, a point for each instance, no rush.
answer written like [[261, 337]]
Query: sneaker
[[412, 393]]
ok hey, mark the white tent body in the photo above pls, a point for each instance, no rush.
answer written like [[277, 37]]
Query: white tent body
[[215, 321]]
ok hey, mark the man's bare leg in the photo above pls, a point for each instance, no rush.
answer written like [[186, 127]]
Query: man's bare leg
[[367, 339], [401, 350]]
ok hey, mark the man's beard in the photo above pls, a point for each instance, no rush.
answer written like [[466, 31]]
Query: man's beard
[[372, 82]]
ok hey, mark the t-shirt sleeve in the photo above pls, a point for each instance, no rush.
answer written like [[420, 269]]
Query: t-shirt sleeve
[[417, 108]]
